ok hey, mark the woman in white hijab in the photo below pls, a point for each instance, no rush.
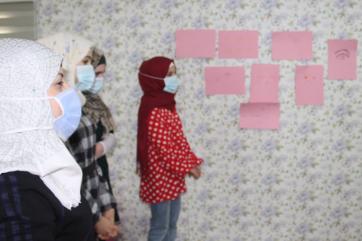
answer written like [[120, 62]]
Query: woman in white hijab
[[77, 54], [39, 179]]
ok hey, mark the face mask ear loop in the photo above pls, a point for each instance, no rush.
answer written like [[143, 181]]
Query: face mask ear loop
[[60, 105], [150, 76]]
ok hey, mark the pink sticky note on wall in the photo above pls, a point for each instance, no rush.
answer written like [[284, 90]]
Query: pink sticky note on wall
[[224, 80], [342, 59], [292, 45], [264, 83], [309, 85], [195, 43], [238, 44], [260, 116]]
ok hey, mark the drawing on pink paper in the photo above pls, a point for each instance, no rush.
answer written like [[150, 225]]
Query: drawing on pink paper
[[292, 45], [259, 116], [264, 83], [195, 43], [342, 59], [309, 85], [238, 44], [342, 54], [224, 80]]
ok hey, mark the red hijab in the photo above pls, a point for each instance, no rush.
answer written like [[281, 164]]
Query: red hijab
[[151, 75]]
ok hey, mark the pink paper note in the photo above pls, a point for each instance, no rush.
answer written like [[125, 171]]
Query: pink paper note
[[292, 45], [342, 59], [224, 80], [309, 85], [259, 116], [195, 43], [264, 83], [238, 44]]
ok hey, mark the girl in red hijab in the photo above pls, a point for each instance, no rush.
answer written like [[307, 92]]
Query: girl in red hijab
[[163, 153]]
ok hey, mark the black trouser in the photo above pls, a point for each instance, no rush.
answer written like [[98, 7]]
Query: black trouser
[[30, 211]]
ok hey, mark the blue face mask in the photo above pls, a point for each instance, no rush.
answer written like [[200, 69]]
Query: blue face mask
[[68, 122], [171, 84], [97, 85], [86, 77]]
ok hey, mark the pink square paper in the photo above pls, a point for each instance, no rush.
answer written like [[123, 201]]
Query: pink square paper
[[238, 44], [292, 45], [260, 116], [264, 83], [195, 43], [309, 85], [224, 80], [342, 59]]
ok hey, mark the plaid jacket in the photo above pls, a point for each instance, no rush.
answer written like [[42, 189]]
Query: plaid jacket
[[82, 145]]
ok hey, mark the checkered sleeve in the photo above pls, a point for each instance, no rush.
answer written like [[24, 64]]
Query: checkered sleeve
[[106, 200], [93, 204], [82, 146]]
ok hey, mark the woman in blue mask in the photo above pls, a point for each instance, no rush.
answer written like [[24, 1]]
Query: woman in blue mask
[[40, 181], [164, 156], [77, 52]]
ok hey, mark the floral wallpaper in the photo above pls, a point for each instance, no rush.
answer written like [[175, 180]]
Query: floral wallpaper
[[302, 182]]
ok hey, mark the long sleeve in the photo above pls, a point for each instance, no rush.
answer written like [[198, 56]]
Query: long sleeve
[[93, 204], [166, 135], [97, 193], [82, 146], [106, 200], [169, 159]]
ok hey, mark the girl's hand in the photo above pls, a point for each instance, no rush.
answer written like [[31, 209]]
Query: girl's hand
[[138, 170], [196, 172]]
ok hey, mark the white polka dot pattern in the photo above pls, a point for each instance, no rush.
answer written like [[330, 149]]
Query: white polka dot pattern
[[170, 158]]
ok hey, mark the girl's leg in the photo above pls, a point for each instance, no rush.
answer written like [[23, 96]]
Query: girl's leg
[[174, 214], [160, 219]]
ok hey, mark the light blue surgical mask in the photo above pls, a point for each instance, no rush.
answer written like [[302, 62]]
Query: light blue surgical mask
[[86, 77], [68, 122], [97, 85], [172, 83]]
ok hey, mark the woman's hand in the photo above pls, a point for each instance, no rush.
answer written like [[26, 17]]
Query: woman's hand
[[106, 229], [105, 146], [110, 214], [99, 150]]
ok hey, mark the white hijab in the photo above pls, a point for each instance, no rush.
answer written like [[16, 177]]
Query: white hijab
[[72, 47], [28, 141]]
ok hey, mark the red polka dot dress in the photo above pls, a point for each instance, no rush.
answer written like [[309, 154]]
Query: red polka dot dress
[[170, 158]]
